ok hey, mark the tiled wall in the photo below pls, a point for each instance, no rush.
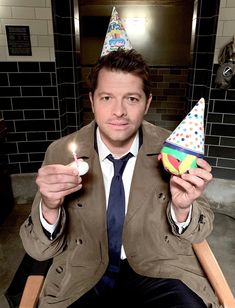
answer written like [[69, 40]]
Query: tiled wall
[[30, 109], [220, 111], [37, 15], [28, 87], [41, 101], [169, 90]]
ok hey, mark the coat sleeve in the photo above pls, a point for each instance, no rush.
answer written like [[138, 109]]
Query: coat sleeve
[[201, 224], [34, 240]]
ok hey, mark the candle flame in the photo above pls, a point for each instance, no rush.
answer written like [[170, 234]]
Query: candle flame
[[73, 147]]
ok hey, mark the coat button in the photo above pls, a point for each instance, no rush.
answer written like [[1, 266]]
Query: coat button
[[79, 241], [59, 269], [162, 196], [30, 222]]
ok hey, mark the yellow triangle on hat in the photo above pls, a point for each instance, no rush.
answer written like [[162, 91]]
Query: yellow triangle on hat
[[116, 35]]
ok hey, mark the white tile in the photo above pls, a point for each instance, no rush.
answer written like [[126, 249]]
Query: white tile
[[52, 54], [220, 27], [41, 54], [18, 59], [43, 13], [3, 54], [5, 12], [34, 40], [221, 41], [35, 26], [45, 41], [3, 40], [23, 12], [50, 27], [38, 54], [216, 54], [48, 3], [230, 3], [31, 3], [229, 28], [223, 3], [227, 14]]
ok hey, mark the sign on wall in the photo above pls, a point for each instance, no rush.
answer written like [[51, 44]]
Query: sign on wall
[[18, 39]]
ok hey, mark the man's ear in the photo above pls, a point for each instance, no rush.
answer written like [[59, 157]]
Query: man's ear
[[91, 100]]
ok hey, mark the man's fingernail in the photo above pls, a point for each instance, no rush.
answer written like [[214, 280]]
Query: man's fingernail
[[75, 171]]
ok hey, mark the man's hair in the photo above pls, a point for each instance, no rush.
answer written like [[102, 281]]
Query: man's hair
[[128, 61]]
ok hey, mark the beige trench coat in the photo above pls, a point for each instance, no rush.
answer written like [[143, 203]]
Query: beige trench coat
[[152, 245]]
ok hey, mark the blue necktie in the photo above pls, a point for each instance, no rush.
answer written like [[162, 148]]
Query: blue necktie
[[116, 212], [115, 220]]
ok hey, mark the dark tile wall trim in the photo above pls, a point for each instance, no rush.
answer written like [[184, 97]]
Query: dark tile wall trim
[[67, 56], [220, 111], [29, 110]]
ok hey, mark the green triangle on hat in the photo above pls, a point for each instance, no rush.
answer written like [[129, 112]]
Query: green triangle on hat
[[116, 36], [181, 149]]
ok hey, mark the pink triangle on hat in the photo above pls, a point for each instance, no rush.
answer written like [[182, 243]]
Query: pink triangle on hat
[[188, 136], [116, 35]]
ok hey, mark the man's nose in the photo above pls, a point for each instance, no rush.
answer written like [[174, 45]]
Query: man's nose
[[119, 108]]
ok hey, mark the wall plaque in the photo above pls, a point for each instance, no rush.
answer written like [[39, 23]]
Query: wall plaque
[[18, 39]]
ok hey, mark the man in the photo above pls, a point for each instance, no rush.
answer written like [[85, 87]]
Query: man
[[163, 215]]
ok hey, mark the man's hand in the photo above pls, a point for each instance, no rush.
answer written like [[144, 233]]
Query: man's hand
[[188, 187], [54, 183]]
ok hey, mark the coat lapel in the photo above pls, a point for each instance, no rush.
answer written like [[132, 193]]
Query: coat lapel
[[147, 169]]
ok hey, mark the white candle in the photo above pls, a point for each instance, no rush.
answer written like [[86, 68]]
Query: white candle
[[82, 166]]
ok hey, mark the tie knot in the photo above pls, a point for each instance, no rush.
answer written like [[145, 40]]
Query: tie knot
[[119, 164]]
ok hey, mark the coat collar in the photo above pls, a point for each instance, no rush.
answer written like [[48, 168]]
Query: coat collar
[[151, 145]]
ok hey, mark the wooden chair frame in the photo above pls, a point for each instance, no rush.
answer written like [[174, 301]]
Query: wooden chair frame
[[214, 274], [204, 254]]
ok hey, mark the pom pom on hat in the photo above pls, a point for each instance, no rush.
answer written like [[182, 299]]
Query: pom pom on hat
[[116, 35]]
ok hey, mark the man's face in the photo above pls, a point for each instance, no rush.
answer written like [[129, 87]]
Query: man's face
[[119, 105]]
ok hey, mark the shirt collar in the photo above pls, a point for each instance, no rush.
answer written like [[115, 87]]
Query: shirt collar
[[104, 151]]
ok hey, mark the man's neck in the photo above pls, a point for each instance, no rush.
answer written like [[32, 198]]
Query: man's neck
[[119, 149]]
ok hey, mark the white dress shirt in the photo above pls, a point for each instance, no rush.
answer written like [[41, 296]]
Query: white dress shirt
[[108, 171]]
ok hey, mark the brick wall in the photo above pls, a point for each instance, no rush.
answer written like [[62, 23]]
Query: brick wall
[[30, 109]]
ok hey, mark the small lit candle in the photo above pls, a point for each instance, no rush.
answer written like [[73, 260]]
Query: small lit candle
[[73, 148], [81, 165]]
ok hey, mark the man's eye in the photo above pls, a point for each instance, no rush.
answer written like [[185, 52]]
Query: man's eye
[[133, 99], [106, 98]]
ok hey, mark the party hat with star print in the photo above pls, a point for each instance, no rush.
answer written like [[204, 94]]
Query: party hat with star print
[[186, 143], [116, 35]]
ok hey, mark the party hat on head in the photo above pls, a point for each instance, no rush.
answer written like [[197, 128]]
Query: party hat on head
[[186, 143], [116, 35]]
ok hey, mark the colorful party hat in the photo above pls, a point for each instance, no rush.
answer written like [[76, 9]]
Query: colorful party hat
[[116, 35], [186, 143]]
